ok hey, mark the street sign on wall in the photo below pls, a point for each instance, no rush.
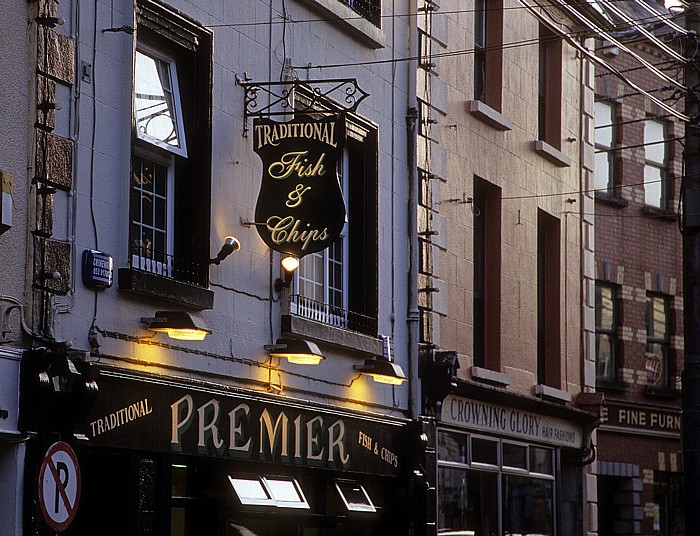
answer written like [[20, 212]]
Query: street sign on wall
[[59, 486]]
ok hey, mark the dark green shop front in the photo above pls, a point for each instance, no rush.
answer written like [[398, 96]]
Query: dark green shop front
[[184, 459]]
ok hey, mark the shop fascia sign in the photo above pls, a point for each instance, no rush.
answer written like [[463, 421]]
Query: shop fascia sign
[[150, 416], [644, 420], [300, 208], [512, 422]]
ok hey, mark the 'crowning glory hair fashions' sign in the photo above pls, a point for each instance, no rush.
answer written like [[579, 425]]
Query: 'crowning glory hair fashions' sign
[[300, 207]]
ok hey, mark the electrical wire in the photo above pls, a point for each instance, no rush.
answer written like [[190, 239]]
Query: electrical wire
[[654, 16], [595, 59]]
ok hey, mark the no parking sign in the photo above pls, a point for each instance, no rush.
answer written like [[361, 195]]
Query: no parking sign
[[59, 486]]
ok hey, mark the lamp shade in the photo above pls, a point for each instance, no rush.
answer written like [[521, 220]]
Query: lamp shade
[[297, 351], [383, 371], [178, 325]]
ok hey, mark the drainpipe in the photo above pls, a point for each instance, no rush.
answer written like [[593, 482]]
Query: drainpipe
[[413, 315]]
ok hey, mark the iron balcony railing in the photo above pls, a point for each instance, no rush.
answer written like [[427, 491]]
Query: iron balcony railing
[[332, 315], [368, 9], [180, 269]]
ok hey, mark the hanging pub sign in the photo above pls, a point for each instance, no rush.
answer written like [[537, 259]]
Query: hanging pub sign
[[300, 208]]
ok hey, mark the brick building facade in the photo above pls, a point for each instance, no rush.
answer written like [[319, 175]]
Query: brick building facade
[[639, 294]]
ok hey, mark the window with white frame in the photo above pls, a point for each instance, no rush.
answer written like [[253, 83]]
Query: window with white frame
[[323, 276], [151, 213], [655, 163], [170, 181], [337, 286], [605, 141], [157, 107], [488, 485]]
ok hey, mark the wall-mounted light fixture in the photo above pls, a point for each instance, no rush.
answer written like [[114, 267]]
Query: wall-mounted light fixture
[[231, 244], [297, 351], [178, 325], [382, 368], [382, 371], [289, 264]]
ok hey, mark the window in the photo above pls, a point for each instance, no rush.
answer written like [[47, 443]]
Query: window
[[488, 52], [487, 275], [656, 164], [657, 349], [157, 107], [170, 173], [550, 91], [337, 286], [605, 141], [368, 9], [548, 301], [606, 319], [668, 504], [492, 486]]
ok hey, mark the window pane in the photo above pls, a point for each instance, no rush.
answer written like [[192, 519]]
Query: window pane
[[601, 179], [452, 447], [605, 367], [654, 132], [541, 461], [484, 451], [655, 364], [653, 186], [527, 506], [604, 308], [157, 117], [468, 501], [656, 317], [603, 124], [514, 456]]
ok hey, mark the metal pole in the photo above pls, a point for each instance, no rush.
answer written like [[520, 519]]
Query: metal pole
[[691, 285]]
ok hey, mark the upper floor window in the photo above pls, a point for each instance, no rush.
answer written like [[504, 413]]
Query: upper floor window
[[655, 164], [157, 107], [550, 90], [488, 52], [487, 275], [368, 9], [170, 179], [605, 142], [658, 341], [548, 300], [338, 286], [606, 319]]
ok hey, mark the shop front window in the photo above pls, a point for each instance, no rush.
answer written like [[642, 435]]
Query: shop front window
[[489, 487], [527, 506]]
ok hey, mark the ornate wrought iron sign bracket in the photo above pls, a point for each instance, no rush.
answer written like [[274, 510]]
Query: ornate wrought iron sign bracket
[[330, 96]]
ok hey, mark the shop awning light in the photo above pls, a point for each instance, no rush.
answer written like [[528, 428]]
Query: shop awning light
[[297, 351], [278, 491], [178, 325], [382, 371], [354, 496]]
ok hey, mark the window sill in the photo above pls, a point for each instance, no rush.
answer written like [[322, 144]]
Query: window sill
[[662, 392], [484, 113], [551, 394], [155, 286], [351, 340], [491, 377], [348, 19], [555, 156], [611, 199], [611, 386], [659, 213]]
